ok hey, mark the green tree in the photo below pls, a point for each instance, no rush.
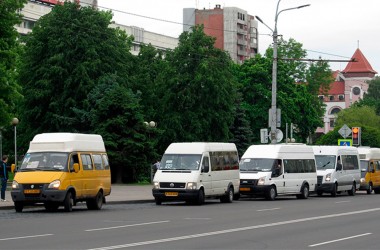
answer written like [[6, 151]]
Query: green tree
[[76, 77], [372, 97], [10, 51], [319, 77], [197, 99]]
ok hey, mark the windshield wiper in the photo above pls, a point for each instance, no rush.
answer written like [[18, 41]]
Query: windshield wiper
[[325, 164]]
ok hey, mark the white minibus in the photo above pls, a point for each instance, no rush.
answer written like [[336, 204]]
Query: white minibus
[[278, 169], [193, 171], [338, 169], [370, 169]]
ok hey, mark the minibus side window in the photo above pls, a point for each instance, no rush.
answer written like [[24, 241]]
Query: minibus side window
[[98, 162], [205, 165], [105, 161], [86, 161], [74, 159]]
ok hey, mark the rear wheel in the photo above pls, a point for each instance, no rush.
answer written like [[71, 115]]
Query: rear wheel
[[271, 193], [304, 192], [95, 203], [228, 198], [369, 190], [352, 191], [19, 206], [68, 202]]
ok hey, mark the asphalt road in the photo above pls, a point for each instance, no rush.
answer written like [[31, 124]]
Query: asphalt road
[[344, 222]]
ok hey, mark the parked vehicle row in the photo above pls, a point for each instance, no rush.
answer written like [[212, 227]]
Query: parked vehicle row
[[194, 171]]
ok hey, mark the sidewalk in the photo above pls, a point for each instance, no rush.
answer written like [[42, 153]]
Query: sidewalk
[[120, 194]]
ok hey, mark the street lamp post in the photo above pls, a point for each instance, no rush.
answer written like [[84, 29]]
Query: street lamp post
[[15, 123], [273, 113]]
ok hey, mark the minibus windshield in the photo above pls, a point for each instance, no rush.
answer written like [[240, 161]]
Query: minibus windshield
[[180, 162], [44, 161], [325, 162], [364, 165], [261, 165]]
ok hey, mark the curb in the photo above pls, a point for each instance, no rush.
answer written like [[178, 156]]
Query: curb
[[11, 206]]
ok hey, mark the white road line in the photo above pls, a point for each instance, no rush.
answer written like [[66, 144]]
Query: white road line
[[25, 237], [332, 241], [197, 218], [342, 202], [268, 209], [142, 243], [132, 225]]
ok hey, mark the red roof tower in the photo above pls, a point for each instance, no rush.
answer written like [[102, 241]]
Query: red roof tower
[[360, 67]]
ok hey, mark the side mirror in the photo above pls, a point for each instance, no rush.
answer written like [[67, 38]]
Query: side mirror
[[13, 168], [339, 166], [76, 167]]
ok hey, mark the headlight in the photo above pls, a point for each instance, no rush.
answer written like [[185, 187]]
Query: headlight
[[156, 185], [328, 177], [15, 185], [261, 181], [54, 184], [362, 180], [191, 185]]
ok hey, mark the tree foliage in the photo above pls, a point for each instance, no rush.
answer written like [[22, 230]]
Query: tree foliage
[[10, 52], [198, 96]]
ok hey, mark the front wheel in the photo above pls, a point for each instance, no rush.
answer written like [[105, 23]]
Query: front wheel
[[271, 193], [19, 206], [334, 190], [68, 202], [201, 197]]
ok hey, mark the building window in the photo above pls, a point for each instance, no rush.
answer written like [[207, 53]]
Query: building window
[[331, 97], [335, 111], [321, 97], [356, 91], [332, 123], [341, 97]]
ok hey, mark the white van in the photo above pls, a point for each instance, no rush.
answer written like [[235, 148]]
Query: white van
[[194, 171], [278, 169], [370, 169], [338, 169]]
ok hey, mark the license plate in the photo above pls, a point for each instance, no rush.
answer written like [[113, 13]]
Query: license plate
[[171, 193], [245, 189], [32, 191]]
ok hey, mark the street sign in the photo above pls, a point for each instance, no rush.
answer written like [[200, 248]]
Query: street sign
[[264, 135], [345, 142], [345, 131]]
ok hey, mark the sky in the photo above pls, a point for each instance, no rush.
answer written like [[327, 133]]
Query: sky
[[330, 29]]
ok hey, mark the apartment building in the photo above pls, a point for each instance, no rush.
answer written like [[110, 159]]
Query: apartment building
[[234, 29]]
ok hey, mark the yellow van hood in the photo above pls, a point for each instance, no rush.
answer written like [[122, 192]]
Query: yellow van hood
[[37, 177]]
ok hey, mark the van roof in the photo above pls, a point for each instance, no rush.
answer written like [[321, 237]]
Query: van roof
[[198, 147], [334, 150], [271, 151], [66, 142], [367, 153]]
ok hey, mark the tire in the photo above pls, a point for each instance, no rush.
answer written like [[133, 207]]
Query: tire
[[377, 191], [304, 192], [158, 201], [95, 203], [352, 191], [229, 197], [271, 194], [19, 206], [201, 197], [369, 190], [334, 190], [51, 206], [68, 202]]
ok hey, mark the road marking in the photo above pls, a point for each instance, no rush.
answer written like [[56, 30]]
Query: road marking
[[342, 201], [268, 209], [332, 241], [132, 225], [197, 218], [25, 237], [143, 243]]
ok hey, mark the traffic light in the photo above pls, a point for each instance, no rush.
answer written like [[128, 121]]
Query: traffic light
[[356, 133]]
